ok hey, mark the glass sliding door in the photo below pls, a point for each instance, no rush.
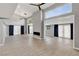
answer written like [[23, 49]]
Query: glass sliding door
[[67, 31], [60, 30], [64, 31], [16, 30]]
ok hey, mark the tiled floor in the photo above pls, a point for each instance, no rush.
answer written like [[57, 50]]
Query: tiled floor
[[27, 46]]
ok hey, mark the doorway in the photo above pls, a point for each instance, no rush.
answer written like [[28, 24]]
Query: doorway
[[30, 29], [11, 30], [56, 30], [16, 30], [66, 31], [22, 29]]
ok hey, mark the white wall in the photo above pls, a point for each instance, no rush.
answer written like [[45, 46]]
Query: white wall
[[1, 33], [60, 20], [17, 30], [13, 22], [37, 23], [76, 25], [7, 9], [4, 27]]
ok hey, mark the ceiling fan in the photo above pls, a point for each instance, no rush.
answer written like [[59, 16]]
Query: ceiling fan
[[38, 5]]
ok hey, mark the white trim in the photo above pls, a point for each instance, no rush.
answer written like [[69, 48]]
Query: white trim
[[76, 48], [74, 34]]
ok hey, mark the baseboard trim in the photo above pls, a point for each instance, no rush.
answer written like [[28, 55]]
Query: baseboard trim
[[75, 48]]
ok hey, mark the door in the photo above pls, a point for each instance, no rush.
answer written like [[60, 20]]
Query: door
[[22, 29], [71, 31], [28, 29], [16, 30], [67, 31], [60, 30], [56, 30], [11, 30]]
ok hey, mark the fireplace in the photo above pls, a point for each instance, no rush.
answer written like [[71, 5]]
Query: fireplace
[[36, 33]]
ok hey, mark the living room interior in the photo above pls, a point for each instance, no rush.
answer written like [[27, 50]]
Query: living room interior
[[39, 29]]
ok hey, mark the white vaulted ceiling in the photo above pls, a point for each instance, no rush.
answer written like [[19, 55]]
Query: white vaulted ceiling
[[7, 9], [25, 8], [29, 9], [18, 10]]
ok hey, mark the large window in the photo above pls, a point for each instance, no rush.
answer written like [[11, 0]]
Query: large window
[[60, 30], [67, 31], [64, 31], [16, 30], [61, 10]]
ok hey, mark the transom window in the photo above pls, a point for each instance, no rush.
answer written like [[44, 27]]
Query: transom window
[[61, 10]]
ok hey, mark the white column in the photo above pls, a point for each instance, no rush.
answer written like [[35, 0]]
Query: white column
[[2, 33], [42, 24], [75, 10], [38, 24]]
